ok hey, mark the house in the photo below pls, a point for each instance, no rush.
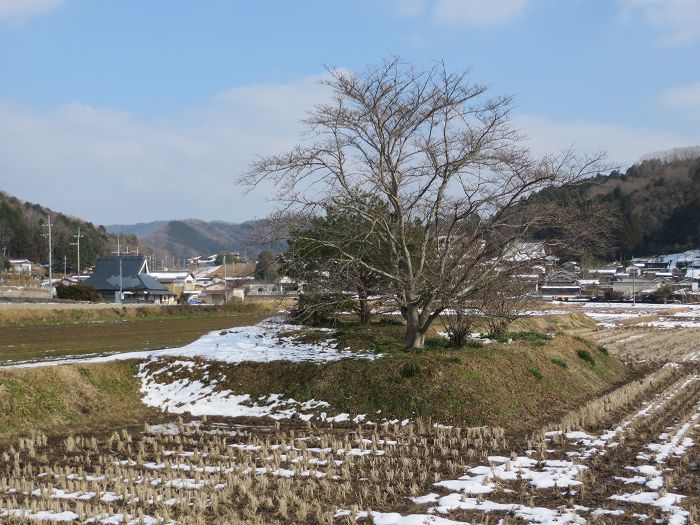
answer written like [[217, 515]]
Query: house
[[635, 287], [561, 285], [128, 274], [219, 291], [282, 286], [520, 251], [20, 265], [180, 283]]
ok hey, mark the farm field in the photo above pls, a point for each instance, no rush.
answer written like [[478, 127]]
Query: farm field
[[25, 343], [213, 447]]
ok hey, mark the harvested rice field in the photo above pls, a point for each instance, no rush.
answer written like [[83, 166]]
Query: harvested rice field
[[215, 454]]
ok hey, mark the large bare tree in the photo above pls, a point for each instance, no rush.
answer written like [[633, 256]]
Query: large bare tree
[[450, 171]]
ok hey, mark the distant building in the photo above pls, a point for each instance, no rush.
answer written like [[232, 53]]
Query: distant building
[[561, 285], [131, 277], [635, 287], [180, 283], [20, 265]]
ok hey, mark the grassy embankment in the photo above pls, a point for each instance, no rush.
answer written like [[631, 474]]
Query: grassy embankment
[[518, 385], [62, 399]]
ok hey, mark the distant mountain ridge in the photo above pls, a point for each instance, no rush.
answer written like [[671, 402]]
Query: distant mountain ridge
[[190, 237]]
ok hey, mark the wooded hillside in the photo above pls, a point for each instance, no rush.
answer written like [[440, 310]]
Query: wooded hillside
[[655, 204], [21, 229]]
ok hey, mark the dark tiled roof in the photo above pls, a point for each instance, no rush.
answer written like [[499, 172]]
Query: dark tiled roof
[[105, 278]]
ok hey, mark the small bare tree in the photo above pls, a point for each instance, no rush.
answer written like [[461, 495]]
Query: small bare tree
[[460, 321], [450, 172], [504, 303]]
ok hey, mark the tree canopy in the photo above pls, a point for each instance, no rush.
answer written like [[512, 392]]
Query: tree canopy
[[433, 174]]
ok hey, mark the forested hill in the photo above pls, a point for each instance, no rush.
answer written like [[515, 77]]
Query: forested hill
[[21, 229], [656, 204], [189, 237]]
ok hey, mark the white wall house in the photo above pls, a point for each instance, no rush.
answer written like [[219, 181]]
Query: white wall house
[[21, 265]]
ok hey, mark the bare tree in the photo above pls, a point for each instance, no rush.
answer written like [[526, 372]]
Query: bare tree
[[459, 322], [504, 303], [449, 169]]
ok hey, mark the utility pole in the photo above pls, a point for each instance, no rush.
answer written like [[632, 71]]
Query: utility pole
[[225, 283], [121, 288], [634, 277], [77, 238], [48, 226], [65, 265]]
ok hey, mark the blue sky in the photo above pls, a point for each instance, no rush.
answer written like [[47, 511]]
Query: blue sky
[[131, 111]]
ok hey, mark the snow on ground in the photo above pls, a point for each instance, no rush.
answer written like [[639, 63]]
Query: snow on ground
[[560, 474], [263, 342], [669, 323]]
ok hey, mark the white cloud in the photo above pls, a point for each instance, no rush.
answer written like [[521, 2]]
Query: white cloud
[[462, 12], [676, 21], [684, 98], [23, 9], [624, 144], [408, 7], [477, 12], [110, 166]]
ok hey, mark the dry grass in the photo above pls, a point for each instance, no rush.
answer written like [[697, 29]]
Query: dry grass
[[58, 399]]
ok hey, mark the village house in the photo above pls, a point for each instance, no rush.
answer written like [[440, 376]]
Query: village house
[[179, 283], [630, 288], [561, 285], [20, 265], [219, 291], [128, 273]]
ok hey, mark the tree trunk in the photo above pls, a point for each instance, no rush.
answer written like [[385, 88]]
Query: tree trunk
[[415, 330], [364, 310]]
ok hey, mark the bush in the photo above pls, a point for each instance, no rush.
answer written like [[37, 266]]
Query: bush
[[459, 323], [536, 373], [391, 321], [559, 362], [78, 292], [498, 337], [410, 370], [586, 356], [531, 336], [472, 343], [317, 309], [436, 343]]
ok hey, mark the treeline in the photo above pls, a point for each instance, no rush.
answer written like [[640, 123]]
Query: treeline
[[21, 229], [652, 208]]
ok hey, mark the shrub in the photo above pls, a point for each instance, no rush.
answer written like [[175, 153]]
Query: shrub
[[391, 321], [78, 292], [410, 370], [586, 356], [436, 343], [498, 337], [317, 309], [559, 362], [459, 323], [535, 373], [532, 336], [472, 343]]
